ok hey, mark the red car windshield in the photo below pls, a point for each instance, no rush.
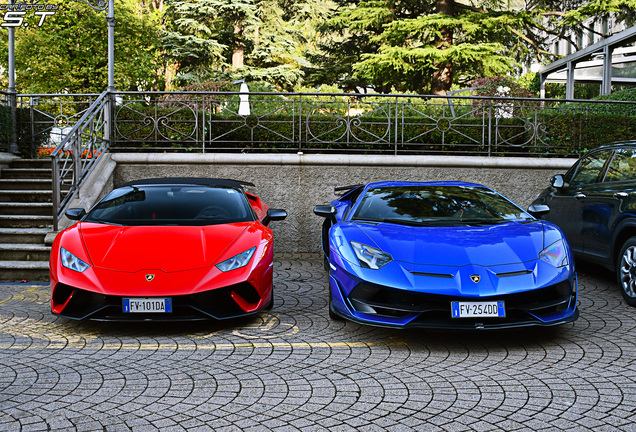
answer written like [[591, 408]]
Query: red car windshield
[[172, 205]]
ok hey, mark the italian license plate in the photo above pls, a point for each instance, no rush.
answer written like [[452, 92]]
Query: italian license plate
[[148, 304], [478, 309]]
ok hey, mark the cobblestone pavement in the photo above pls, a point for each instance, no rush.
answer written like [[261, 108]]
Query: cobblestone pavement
[[294, 369]]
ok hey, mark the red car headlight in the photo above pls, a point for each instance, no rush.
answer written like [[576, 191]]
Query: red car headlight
[[237, 261], [72, 262]]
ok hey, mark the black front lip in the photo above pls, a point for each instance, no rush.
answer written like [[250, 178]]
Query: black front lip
[[216, 304], [444, 325], [433, 310]]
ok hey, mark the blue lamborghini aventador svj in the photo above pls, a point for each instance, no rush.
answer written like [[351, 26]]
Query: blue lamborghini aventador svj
[[444, 255]]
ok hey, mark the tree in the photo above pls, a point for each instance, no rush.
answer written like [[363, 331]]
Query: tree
[[254, 39], [429, 45], [68, 53]]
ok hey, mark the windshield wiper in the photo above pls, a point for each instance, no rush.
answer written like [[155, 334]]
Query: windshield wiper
[[432, 222], [102, 222], [415, 222], [482, 221]]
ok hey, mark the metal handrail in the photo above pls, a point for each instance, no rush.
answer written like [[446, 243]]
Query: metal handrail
[[78, 153], [291, 95]]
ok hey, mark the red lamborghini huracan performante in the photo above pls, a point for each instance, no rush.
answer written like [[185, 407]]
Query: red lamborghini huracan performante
[[166, 249]]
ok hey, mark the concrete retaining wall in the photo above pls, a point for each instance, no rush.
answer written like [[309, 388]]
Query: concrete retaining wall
[[298, 182]]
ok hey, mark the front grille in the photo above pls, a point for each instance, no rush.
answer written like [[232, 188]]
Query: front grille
[[430, 308], [217, 303]]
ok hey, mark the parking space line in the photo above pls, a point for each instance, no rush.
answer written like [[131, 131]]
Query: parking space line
[[21, 296], [220, 347]]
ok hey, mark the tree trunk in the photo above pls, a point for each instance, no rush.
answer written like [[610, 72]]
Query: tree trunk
[[443, 75], [238, 52]]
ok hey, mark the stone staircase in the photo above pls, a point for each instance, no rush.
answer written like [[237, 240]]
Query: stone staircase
[[25, 219]]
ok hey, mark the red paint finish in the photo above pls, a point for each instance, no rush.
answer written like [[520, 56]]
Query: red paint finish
[[182, 258]]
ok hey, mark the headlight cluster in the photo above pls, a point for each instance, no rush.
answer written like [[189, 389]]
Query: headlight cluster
[[237, 261], [370, 257], [72, 262], [555, 254]]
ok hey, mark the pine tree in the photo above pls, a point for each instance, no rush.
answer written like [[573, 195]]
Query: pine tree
[[259, 40], [429, 45]]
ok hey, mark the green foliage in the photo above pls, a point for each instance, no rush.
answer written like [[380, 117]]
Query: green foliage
[[623, 9], [431, 45], [201, 37], [69, 52], [504, 86], [626, 94]]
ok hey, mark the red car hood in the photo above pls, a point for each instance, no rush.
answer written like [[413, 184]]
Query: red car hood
[[166, 248]]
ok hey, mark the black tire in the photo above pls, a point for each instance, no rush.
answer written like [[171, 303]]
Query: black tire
[[626, 271]]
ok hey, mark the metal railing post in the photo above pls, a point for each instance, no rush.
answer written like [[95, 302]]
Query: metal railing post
[[300, 122], [203, 122], [108, 120], [77, 161], [395, 138], [32, 117], [56, 190], [13, 144], [490, 128]]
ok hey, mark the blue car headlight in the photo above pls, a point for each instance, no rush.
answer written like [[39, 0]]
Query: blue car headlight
[[370, 257], [555, 254], [72, 262], [237, 261]]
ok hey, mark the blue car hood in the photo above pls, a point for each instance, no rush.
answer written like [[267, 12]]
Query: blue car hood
[[500, 244]]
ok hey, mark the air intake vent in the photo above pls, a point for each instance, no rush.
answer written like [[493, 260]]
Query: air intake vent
[[516, 273], [437, 275]]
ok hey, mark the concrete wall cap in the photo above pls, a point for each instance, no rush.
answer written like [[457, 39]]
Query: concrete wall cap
[[5, 158], [343, 160]]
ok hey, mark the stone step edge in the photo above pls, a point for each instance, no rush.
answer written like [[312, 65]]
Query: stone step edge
[[25, 217], [33, 230], [24, 204], [24, 247], [35, 265]]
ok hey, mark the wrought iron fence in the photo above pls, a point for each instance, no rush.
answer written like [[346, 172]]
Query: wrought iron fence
[[330, 123], [42, 120], [81, 146], [346, 123]]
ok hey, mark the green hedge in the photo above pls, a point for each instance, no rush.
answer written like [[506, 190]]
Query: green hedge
[[5, 127], [27, 144]]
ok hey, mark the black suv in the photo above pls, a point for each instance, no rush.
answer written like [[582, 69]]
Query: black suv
[[594, 203]]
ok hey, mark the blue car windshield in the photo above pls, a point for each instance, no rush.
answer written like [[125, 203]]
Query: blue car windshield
[[437, 205], [172, 205]]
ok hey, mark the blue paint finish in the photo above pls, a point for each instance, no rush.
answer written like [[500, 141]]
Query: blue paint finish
[[445, 262]]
